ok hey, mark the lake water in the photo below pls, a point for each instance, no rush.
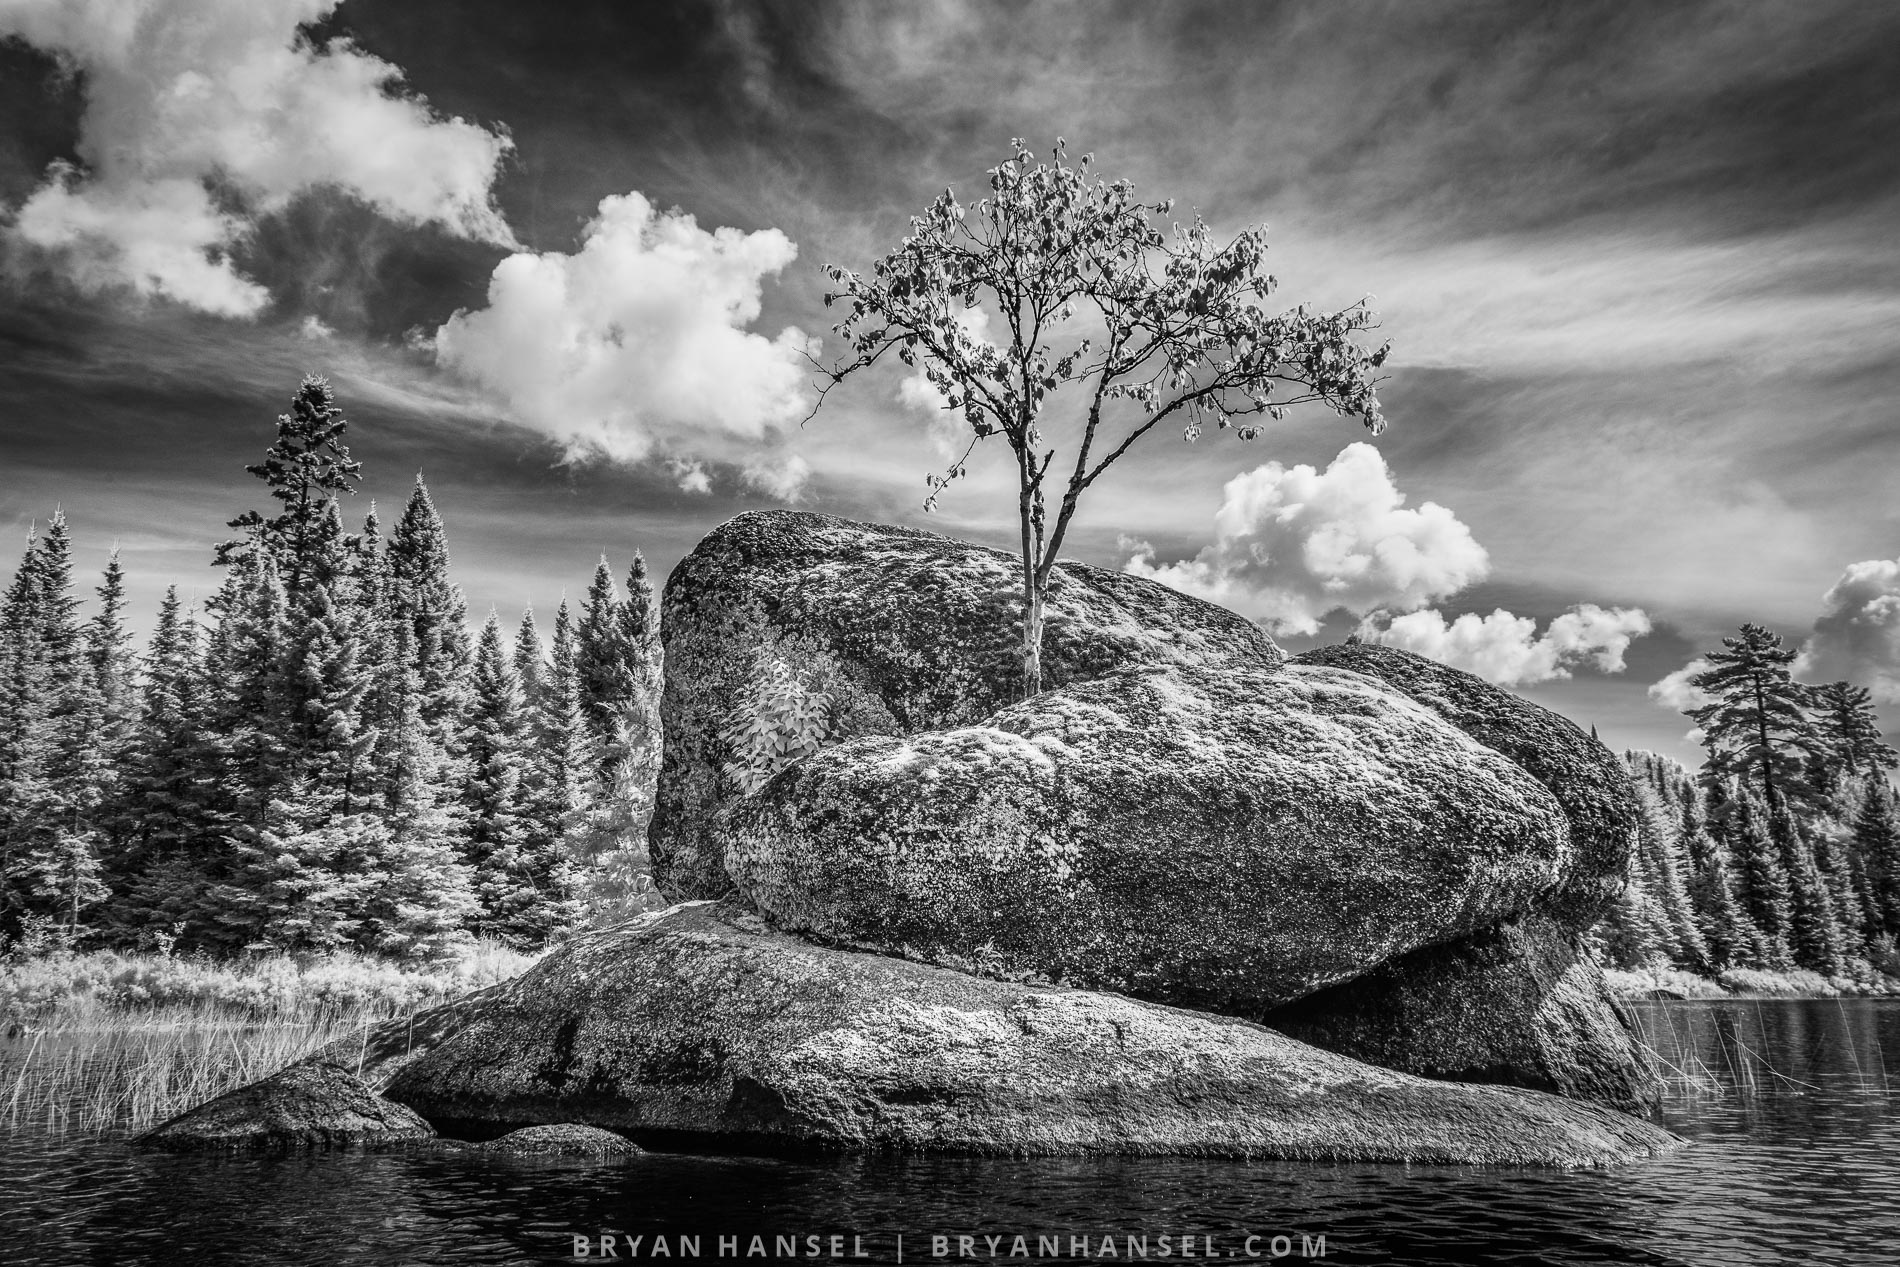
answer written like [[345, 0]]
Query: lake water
[[1796, 1158]]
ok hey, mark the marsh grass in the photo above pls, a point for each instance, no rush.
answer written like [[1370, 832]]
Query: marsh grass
[[1700, 1057], [107, 1043]]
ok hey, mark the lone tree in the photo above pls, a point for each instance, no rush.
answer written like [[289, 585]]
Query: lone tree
[[1092, 295]]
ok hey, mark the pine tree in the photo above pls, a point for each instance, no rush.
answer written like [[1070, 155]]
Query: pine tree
[[1761, 877], [306, 469], [1755, 728], [1850, 746]]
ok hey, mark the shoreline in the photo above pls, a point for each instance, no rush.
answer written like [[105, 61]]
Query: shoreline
[[1741, 984]]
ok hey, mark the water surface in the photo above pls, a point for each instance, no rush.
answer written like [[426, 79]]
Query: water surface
[[1795, 1158]]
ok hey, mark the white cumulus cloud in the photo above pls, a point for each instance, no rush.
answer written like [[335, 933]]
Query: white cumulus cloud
[[689, 475], [783, 477], [186, 96], [1674, 692], [1507, 649], [1857, 637], [637, 339], [1292, 544]]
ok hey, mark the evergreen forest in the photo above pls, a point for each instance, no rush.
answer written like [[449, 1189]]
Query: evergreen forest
[[1783, 850], [325, 755]]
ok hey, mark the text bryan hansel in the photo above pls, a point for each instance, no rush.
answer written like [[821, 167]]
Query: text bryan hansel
[[609, 1245]]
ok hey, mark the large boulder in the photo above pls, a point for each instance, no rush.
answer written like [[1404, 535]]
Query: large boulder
[[312, 1104], [899, 630], [1586, 778], [1520, 1004], [1523, 1003], [702, 1027], [1226, 839]]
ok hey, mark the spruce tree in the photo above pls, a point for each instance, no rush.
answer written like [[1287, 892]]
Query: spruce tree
[[606, 660], [306, 469], [1662, 869], [1877, 841], [427, 894], [1815, 937], [167, 823], [56, 779], [421, 594], [1761, 877], [1755, 728], [493, 798], [530, 662]]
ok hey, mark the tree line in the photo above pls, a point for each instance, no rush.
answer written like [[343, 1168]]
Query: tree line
[[1783, 850], [325, 755]]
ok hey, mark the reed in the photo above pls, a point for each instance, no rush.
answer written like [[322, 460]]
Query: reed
[[107, 1043], [1697, 1058]]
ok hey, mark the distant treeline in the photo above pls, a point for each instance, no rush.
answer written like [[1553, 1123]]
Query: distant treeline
[[326, 755], [1783, 851]]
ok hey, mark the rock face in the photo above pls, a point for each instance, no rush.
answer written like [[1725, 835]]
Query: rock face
[[1521, 1004], [1217, 838], [307, 1105], [903, 630], [701, 1026], [1586, 778]]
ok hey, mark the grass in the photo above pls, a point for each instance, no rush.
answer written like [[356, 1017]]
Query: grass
[[107, 1043], [1792, 983], [1697, 1059]]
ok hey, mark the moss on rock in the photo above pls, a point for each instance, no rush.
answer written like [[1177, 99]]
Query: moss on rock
[[1522, 1004], [310, 1104], [920, 632], [1225, 839], [700, 1026]]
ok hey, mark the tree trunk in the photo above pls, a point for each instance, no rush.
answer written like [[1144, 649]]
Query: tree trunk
[[1027, 506], [1032, 634]]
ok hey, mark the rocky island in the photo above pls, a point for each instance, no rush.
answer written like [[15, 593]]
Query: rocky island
[[1193, 898]]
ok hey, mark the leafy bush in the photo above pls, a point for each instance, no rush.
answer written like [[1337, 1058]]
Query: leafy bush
[[788, 710]]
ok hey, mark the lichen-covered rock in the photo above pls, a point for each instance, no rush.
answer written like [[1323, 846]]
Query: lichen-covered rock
[[1213, 838], [702, 1027], [1586, 778], [562, 1139], [311, 1104], [901, 630], [1521, 1004]]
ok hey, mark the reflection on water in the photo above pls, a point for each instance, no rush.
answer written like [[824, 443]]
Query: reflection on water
[[1796, 1159]]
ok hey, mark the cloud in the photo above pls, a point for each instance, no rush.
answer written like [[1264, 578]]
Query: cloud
[[1293, 543], [1508, 650], [639, 337], [783, 479], [949, 430], [202, 115], [1857, 637], [1674, 692], [690, 475]]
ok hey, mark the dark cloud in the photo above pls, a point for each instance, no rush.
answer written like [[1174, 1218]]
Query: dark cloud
[[1636, 259]]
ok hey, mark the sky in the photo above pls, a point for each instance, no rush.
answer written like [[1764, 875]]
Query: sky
[[1636, 262]]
